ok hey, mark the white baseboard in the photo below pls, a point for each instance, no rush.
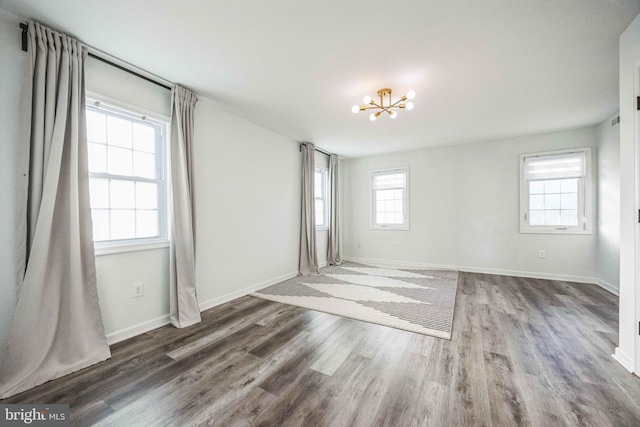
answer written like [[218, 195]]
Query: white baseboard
[[528, 274], [623, 359], [140, 328], [206, 305], [608, 286], [149, 325]]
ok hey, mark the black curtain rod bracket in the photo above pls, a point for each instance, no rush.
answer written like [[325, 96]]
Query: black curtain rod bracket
[[25, 45]]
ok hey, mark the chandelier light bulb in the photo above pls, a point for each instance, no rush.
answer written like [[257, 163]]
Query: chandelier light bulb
[[373, 117], [366, 99], [409, 106], [355, 109], [393, 114], [411, 94]]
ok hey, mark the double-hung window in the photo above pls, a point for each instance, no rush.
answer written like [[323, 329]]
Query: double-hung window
[[389, 199], [126, 177], [556, 192], [321, 198]]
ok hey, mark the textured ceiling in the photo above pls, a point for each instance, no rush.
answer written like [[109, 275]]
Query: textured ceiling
[[481, 69]]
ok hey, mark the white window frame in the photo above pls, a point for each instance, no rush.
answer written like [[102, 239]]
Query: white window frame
[[324, 172], [585, 198], [110, 106], [373, 225]]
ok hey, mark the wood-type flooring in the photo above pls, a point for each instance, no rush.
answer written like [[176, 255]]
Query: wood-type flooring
[[523, 352]]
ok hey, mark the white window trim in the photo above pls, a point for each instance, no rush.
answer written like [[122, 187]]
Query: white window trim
[[92, 97], [140, 244], [372, 207], [587, 194], [132, 247], [325, 197]]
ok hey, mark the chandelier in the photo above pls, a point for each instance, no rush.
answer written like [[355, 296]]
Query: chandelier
[[385, 104]]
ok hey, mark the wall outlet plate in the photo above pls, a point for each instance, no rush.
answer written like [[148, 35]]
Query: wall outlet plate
[[138, 289], [542, 254]]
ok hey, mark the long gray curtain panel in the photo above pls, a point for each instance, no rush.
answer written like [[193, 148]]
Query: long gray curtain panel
[[57, 326], [184, 309], [333, 245], [308, 257]]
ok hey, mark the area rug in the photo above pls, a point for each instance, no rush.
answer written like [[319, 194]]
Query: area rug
[[416, 300]]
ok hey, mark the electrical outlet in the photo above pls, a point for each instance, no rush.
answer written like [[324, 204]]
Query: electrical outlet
[[542, 254], [138, 289], [395, 245], [359, 245]]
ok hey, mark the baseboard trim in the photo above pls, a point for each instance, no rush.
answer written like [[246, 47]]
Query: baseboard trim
[[140, 328], [499, 272], [608, 287], [623, 359], [149, 325], [206, 305]]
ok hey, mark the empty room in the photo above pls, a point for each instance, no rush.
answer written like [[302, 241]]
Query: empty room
[[293, 213]]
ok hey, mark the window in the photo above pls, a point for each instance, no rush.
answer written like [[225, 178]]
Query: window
[[321, 200], [555, 192], [126, 176], [390, 199]]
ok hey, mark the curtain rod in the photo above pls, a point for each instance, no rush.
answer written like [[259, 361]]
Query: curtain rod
[[125, 69], [326, 153], [24, 27]]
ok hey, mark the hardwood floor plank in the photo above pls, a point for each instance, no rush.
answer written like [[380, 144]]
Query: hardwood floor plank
[[589, 321], [251, 406], [339, 347], [410, 385], [221, 331], [493, 339], [468, 390], [507, 404], [542, 408], [85, 415], [375, 339], [287, 409]]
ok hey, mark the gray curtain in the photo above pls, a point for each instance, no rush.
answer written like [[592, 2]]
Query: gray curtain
[[308, 257], [57, 326], [184, 309], [333, 246]]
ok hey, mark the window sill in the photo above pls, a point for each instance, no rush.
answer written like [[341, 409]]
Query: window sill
[[322, 228], [402, 228], [133, 247], [553, 231]]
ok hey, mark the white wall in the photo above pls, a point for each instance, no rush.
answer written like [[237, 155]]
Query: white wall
[[247, 187], [464, 211], [608, 229], [629, 78], [13, 63]]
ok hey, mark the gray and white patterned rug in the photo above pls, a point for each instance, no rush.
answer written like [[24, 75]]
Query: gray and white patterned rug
[[416, 300]]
